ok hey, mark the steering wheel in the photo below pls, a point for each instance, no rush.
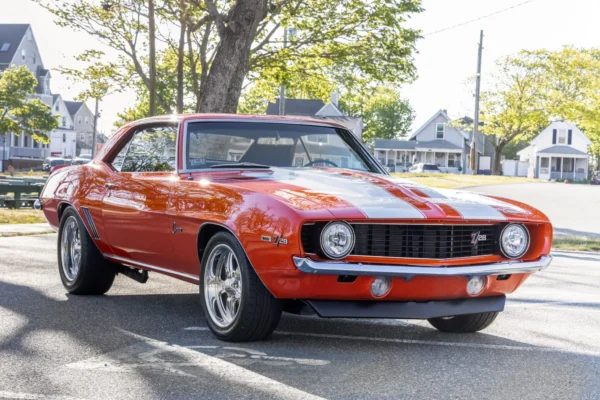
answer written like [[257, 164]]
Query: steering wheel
[[320, 161]]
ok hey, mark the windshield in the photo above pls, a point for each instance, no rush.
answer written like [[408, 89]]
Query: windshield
[[430, 167], [242, 144]]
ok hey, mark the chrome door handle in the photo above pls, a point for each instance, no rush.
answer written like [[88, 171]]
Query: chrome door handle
[[110, 186]]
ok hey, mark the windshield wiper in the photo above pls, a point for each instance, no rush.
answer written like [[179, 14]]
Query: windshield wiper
[[240, 165]]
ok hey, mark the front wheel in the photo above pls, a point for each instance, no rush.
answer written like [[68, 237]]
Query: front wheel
[[83, 270], [464, 323], [237, 306]]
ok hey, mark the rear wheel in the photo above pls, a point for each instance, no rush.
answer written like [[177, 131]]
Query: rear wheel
[[237, 306], [83, 270], [464, 323]]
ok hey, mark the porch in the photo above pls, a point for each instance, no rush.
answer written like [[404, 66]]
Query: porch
[[402, 160], [561, 168]]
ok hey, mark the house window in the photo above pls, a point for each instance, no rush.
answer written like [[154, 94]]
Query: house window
[[64, 137], [82, 136], [15, 141], [439, 131], [34, 58], [26, 141], [64, 121], [5, 47], [451, 158], [562, 136], [23, 54], [56, 107], [79, 119], [36, 144], [87, 120]]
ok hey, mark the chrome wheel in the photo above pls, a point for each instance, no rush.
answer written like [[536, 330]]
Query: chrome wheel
[[70, 249], [223, 285]]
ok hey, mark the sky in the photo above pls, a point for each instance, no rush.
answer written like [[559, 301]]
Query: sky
[[444, 62]]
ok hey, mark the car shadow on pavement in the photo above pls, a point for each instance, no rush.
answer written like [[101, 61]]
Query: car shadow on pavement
[[94, 325]]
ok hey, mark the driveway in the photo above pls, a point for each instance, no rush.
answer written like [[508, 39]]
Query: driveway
[[150, 342], [573, 209]]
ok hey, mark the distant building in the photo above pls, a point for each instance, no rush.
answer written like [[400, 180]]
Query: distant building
[[559, 152], [19, 47], [319, 110], [438, 142]]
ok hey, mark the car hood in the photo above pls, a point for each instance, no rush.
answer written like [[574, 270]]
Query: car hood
[[357, 195]]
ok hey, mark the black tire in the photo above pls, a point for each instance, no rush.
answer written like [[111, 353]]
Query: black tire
[[464, 323], [96, 274], [258, 312]]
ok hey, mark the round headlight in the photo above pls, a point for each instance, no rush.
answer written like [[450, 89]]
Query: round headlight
[[514, 240], [337, 240]]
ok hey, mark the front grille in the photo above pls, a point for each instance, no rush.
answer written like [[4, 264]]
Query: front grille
[[413, 241]]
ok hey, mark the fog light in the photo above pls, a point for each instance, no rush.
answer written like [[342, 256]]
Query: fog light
[[476, 285], [381, 286]]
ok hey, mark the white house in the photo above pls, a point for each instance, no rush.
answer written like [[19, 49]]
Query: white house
[[559, 152], [438, 142]]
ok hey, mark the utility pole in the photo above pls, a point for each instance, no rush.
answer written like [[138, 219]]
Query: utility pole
[[282, 87], [474, 159], [94, 139]]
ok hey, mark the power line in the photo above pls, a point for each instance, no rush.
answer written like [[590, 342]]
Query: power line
[[477, 19]]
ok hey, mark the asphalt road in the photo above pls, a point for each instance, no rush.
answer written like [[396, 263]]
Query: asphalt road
[[150, 342], [573, 209]]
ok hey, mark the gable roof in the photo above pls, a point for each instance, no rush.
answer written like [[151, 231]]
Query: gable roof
[[298, 107], [13, 35], [444, 114], [330, 110], [73, 106], [560, 124]]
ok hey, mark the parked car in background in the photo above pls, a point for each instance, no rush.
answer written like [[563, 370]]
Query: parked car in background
[[82, 159], [596, 178], [424, 168], [52, 162], [271, 214]]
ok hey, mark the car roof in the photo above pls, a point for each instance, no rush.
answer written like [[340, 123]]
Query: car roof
[[177, 118]]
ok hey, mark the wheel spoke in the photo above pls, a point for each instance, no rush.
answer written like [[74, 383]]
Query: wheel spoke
[[222, 285]]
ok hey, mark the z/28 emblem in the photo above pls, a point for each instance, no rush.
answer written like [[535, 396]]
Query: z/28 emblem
[[476, 238], [276, 239]]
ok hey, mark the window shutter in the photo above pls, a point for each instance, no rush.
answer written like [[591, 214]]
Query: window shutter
[[554, 132], [570, 136]]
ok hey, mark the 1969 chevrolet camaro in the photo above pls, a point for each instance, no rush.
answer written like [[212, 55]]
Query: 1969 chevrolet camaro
[[271, 214]]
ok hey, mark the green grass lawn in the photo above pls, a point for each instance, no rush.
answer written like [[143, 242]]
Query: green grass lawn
[[575, 243], [456, 181], [21, 216]]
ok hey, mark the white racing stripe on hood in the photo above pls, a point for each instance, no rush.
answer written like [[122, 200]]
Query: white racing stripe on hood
[[469, 205], [372, 200]]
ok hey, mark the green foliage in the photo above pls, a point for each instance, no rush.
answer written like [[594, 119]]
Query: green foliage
[[386, 115], [18, 113], [344, 41]]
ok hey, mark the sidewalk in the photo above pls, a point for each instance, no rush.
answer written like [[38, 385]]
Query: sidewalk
[[24, 229]]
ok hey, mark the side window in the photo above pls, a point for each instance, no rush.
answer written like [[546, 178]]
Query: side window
[[150, 150]]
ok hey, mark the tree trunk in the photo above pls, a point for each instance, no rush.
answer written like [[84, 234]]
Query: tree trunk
[[223, 86], [180, 58], [496, 168], [152, 57]]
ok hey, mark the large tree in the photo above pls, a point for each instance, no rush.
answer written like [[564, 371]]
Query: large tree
[[221, 45], [19, 113]]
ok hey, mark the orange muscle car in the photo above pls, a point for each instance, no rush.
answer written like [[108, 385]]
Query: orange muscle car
[[270, 214]]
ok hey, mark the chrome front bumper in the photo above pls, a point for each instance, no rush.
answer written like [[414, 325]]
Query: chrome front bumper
[[408, 271]]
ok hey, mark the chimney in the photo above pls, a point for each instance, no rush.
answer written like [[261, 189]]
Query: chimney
[[335, 97]]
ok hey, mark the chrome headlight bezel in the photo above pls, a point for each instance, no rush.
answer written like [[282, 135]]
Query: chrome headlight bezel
[[350, 245], [527, 238]]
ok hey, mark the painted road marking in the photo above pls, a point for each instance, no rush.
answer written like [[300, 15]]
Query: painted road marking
[[164, 358], [440, 343], [30, 396]]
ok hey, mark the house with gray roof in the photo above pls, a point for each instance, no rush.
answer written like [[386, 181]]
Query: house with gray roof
[[438, 142], [319, 110], [559, 152]]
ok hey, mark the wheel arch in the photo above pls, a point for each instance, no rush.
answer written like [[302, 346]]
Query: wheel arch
[[207, 230]]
